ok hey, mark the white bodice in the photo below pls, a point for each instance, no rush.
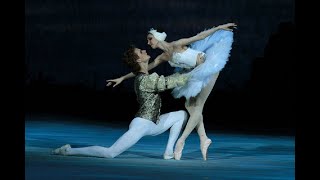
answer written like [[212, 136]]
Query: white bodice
[[186, 59]]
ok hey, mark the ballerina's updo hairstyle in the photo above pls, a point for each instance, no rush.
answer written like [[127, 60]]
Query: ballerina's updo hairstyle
[[130, 58]]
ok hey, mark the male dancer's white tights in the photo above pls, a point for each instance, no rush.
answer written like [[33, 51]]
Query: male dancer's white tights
[[138, 128]]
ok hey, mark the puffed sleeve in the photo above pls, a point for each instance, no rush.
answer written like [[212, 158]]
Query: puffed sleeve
[[156, 83]]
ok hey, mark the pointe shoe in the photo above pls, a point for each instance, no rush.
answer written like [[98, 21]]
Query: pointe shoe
[[168, 156], [178, 154], [204, 148], [61, 150]]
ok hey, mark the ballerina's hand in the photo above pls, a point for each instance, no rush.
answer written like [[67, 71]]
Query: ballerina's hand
[[200, 59], [228, 26], [116, 81]]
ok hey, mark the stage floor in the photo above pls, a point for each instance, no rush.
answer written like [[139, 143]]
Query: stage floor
[[231, 156]]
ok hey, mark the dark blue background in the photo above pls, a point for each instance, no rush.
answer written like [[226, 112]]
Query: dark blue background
[[73, 46]]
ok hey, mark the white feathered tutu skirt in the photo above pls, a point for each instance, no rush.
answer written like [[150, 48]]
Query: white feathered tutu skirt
[[217, 48]]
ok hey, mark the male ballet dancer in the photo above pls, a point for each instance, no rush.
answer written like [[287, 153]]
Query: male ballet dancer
[[148, 120]]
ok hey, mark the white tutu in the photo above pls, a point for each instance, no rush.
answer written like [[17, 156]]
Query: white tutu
[[217, 48]]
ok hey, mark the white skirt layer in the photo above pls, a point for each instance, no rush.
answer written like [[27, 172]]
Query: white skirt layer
[[217, 48]]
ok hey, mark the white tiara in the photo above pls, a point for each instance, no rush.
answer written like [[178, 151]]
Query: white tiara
[[159, 36]]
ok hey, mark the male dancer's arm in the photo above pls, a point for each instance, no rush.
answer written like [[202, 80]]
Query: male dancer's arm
[[153, 64], [156, 83]]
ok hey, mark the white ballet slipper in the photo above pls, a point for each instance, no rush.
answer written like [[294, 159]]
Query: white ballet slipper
[[168, 156], [61, 150]]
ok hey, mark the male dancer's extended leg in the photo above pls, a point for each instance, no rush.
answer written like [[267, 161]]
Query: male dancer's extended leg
[[138, 128]]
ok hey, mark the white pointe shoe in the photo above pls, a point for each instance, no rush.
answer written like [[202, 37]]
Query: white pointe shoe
[[178, 154], [204, 148], [168, 156], [61, 150]]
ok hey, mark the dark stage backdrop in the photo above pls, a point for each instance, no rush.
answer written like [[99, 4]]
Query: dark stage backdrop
[[73, 46]]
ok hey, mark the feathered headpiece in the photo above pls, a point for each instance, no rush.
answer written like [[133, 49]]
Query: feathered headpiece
[[159, 36]]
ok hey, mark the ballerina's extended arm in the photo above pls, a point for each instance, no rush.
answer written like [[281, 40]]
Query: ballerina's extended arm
[[204, 34]]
